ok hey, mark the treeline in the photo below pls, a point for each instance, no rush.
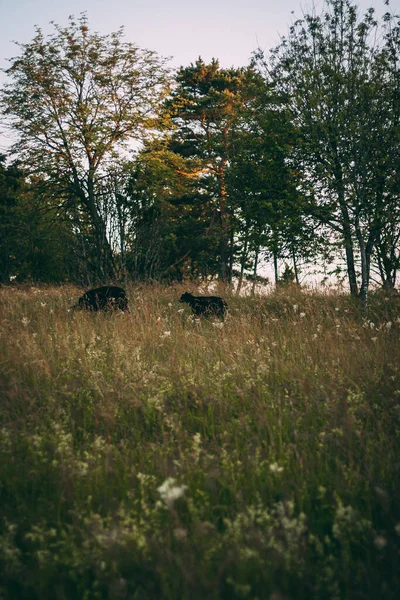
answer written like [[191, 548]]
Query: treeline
[[124, 169]]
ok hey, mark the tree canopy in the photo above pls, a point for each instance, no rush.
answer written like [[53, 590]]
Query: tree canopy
[[209, 171]]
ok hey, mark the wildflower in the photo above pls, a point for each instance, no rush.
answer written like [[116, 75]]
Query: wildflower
[[374, 339], [25, 321], [314, 336], [43, 304], [180, 533], [337, 308], [275, 468], [166, 334], [180, 310], [170, 492], [388, 325], [380, 542], [169, 303], [295, 307], [218, 324], [302, 315]]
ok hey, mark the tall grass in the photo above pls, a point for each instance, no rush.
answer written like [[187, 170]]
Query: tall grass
[[155, 455]]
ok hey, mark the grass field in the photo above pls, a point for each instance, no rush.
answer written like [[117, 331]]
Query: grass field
[[156, 456]]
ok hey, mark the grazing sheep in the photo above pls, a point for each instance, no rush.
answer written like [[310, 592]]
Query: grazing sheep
[[103, 298], [205, 305]]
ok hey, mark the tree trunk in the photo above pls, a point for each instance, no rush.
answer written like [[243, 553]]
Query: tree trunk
[[224, 273], [104, 251], [364, 268], [121, 227], [242, 263], [346, 226], [253, 289], [296, 272], [349, 248], [276, 273]]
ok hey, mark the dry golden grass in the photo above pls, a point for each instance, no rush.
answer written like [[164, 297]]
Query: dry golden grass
[[154, 455]]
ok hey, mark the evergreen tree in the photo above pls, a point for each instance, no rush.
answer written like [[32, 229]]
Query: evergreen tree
[[203, 109]]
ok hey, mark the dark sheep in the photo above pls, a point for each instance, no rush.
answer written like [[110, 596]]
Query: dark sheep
[[103, 298], [209, 306]]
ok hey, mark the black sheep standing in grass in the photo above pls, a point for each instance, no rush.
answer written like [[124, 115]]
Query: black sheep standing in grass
[[103, 298], [208, 306]]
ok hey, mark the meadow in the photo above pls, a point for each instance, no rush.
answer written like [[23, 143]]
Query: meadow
[[152, 455]]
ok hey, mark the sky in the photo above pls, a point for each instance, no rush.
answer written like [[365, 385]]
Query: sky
[[229, 30], [184, 29]]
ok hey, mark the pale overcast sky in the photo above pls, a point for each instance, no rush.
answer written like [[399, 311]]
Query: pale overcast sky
[[229, 30], [184, 29]]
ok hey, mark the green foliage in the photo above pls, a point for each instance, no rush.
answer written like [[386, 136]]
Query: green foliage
[[34, 244], [339, 75], [75, 99]]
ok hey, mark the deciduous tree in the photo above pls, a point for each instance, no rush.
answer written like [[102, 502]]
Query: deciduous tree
[[75, 98]]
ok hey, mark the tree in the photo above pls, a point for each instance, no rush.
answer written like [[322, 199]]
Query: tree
[[203, 109], [168, 232], [269, 208], [325, 68], [75, 99], [11, 184], [34, 243]]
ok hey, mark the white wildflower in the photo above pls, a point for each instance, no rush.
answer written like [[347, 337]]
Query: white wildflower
[[218, 324], [170, 492], [302, 315], [43, 304], [380, 542], [275, 468], [374, 339], [388, 325], [180, 310], [169, 303], [25, 321], [166, 334], [295, 307]]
